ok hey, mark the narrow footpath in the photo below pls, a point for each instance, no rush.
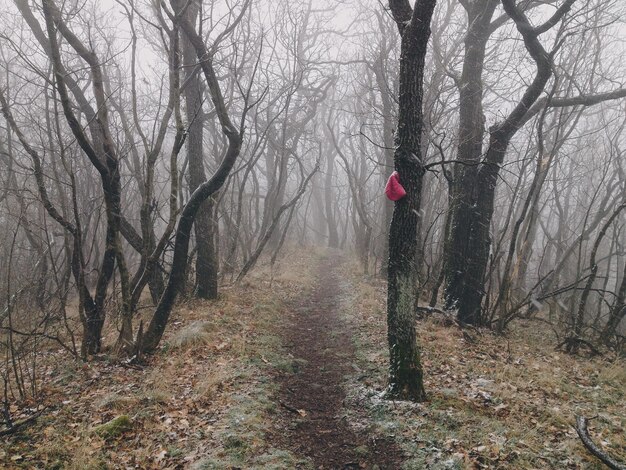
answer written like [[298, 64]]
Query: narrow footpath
[[311, 397]]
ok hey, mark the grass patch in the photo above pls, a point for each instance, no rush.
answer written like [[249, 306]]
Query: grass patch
[[195, 335], [114, 428]]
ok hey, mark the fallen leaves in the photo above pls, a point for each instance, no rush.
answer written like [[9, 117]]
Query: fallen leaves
[[499, 403], [490, 406]]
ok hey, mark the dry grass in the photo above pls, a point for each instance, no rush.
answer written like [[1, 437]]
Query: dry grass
[[192, 336], [503, 402], [204, 401]]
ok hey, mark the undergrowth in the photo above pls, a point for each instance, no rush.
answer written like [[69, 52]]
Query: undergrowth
[[204, 401], [501, 402]]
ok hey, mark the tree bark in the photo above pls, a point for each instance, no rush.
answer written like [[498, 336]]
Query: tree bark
[[405, 368], [583, 433], [204, 225], [469, 153]]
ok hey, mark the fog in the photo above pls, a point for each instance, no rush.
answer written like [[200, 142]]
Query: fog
[[157, 149]]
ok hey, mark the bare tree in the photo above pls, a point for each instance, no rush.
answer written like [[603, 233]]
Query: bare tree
[[156, 328]]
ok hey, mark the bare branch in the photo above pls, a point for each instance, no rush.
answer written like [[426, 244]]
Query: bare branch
[[583, 433]]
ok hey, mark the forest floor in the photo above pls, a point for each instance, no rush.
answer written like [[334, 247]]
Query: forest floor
[[287, 370]]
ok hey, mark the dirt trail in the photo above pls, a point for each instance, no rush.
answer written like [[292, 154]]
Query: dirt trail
[[311, 398]]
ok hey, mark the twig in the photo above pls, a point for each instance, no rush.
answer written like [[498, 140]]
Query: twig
[[290, 408]]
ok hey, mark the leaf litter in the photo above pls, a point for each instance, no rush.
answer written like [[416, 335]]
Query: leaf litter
[[498, 402], [212, 402]]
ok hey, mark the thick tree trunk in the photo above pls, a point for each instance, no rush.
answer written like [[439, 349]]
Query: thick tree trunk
[[470, 241], [479, 240], [469, 153], [405, 369], [92, 333]]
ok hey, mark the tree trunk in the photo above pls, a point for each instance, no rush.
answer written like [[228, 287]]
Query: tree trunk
[[470, 243], [469, 153], [593, 271], [101, 152], [157, 325], [206, 260], [333, 233], [405, 368], [618, 312]]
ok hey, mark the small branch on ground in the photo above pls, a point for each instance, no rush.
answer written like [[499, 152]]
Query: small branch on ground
[[583, 433], [289, 408]]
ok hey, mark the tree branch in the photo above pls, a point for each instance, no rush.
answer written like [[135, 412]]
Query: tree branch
[[402, 12], [554, 19], [583, 433], [580, 100]]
